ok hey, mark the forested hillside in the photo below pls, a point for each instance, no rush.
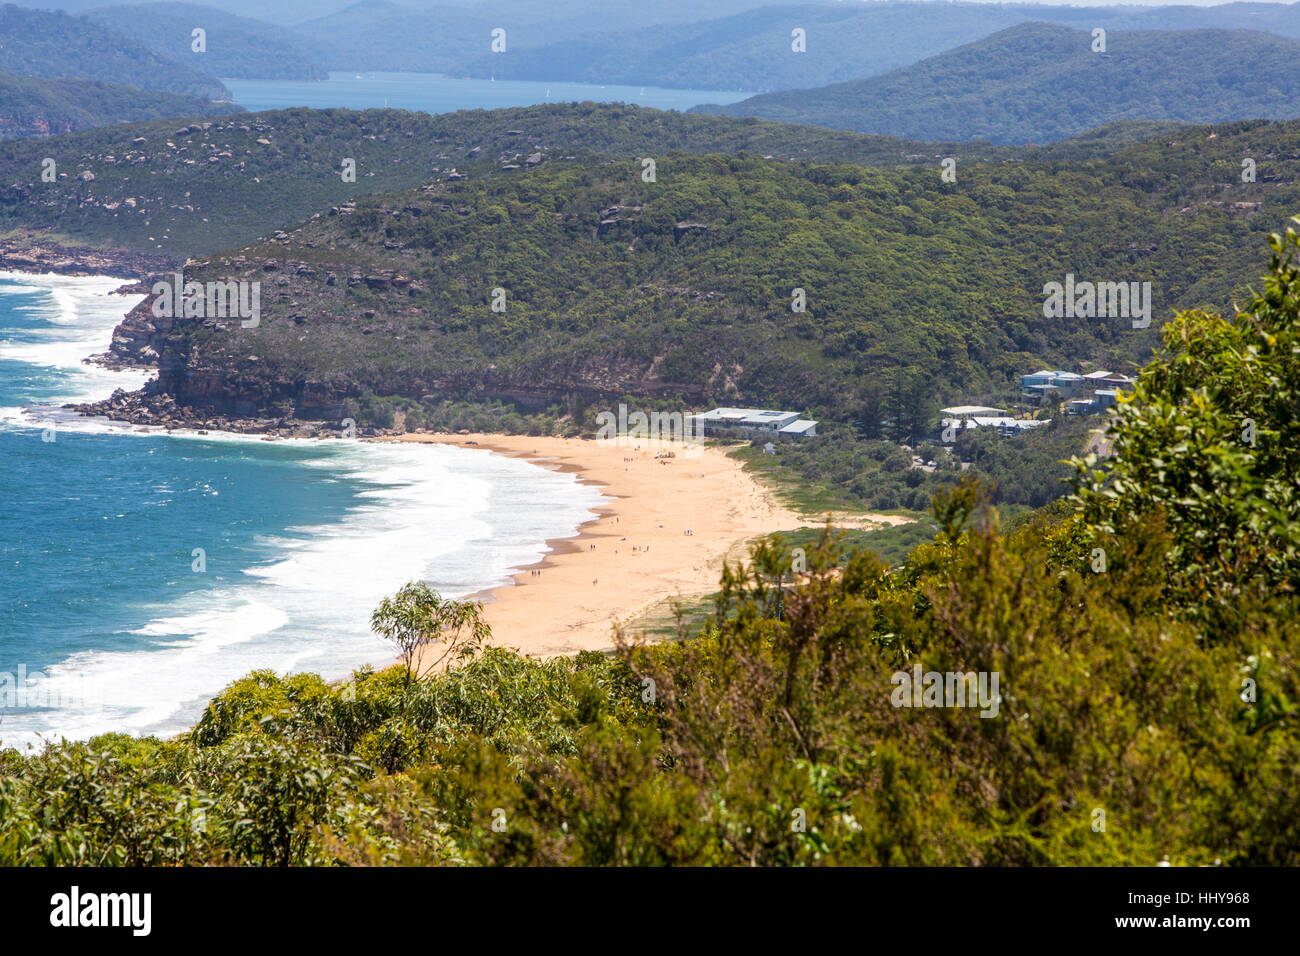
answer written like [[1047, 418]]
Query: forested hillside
[[178, 193], [235, 46], [52, 44], [1041, 82], [917, 290], [39, 107]]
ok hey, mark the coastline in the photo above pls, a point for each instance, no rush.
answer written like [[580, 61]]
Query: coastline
[[665, 531], [42, 255], [662, 531]]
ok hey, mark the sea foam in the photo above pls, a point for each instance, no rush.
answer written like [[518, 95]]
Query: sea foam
[[462, 519]]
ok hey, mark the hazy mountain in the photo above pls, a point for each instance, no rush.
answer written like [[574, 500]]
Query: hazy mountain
[[1041, 82], [752, 49], [57, 45], [378, 35], [236, 46], [559, 17]]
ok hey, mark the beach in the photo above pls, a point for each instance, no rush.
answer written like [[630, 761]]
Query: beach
[[664, 532]]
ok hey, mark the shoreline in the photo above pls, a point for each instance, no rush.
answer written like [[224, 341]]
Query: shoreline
[[666, 525], [43, 255], [664, 533]]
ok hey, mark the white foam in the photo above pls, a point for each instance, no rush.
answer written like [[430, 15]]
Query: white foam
[[82, 313], [462, 519]]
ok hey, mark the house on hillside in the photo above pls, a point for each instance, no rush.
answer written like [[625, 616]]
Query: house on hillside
[[1101, 400], [1104, 379], [950, 428], [971, 411], [1036, 386]]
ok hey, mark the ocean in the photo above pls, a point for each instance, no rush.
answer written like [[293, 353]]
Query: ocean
[[432, 93], [140, 572]]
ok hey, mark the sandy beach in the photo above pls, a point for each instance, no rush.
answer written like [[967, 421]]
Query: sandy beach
[[664, 532]]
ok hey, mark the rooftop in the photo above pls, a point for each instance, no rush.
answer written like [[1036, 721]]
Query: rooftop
[[799, 427], [748, 417], [970, 410]]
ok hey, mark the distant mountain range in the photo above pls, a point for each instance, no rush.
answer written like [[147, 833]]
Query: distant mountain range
[[1040, 82], [729, 46], [725, 44], [752, 50]]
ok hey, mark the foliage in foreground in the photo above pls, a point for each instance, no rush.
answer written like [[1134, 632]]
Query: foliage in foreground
[[762, 741]]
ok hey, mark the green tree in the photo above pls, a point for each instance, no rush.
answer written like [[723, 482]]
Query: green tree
[[418, 616], [1210, 441]]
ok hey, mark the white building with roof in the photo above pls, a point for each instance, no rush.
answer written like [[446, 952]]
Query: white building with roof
[[752, 423], [1108, 379], [970, 411], [950, 428]]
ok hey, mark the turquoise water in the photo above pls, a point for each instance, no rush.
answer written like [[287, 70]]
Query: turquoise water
[[433, 93], [108, 619]]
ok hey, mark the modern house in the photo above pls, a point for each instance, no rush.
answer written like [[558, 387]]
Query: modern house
[[1101, 400], [1038, 385], [1108, 379], [752, 423], [971, 411], [949, 428]]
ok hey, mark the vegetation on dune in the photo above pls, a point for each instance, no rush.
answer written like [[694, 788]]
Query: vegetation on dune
[[841, 469], [1145, 710]]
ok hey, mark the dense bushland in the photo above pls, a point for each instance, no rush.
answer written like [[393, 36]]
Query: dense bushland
[[918, 293]]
